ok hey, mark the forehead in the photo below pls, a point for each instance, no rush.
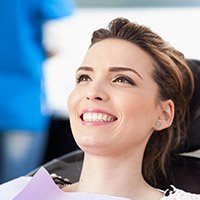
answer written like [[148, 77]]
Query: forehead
[[118, 52]]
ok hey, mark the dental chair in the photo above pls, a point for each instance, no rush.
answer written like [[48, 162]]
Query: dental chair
[[184, 168]]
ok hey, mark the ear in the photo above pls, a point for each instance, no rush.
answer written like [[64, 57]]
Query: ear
[[166, 115]]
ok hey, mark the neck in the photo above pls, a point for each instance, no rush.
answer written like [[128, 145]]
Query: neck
[[114, 175]]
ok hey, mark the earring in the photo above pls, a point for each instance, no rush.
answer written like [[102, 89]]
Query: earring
[[157, 124]]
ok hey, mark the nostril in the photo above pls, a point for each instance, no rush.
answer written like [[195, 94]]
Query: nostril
[[98, 98], [95, 98]]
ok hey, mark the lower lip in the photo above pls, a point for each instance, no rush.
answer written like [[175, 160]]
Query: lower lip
[[96, 123]]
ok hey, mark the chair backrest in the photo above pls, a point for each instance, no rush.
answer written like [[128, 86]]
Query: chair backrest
[[184, 171], [194, 128]]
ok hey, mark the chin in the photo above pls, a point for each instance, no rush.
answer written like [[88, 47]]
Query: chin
[[92, 146]]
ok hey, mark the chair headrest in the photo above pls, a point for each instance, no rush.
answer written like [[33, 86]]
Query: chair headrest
[[193, 142], [195, 101]]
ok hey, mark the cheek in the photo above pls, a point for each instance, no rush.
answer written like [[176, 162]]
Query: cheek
[[132, 107], [72, 101], [136, 124], [73, 105], [138, 113]]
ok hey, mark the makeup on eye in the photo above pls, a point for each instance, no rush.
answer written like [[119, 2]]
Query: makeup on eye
[[84, 75], [124, 79], [82, 78], [111, 69], [121, 79]]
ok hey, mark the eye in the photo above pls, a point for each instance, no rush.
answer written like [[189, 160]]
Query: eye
[[83, 78], [124, 79]]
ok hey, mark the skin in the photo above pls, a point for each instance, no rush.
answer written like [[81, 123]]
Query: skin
[[116, 77]]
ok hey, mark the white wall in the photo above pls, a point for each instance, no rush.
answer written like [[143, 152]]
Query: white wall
[[71, 38]]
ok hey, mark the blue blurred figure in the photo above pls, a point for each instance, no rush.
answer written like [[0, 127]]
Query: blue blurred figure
[[23, 126]]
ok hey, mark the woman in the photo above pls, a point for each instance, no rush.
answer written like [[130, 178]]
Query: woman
[[128, 111], [132, 87]]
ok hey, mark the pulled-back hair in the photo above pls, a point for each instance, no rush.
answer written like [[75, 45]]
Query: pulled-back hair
[[175, 82]]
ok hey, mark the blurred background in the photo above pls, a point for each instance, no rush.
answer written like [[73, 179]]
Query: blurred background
[[66, 40]]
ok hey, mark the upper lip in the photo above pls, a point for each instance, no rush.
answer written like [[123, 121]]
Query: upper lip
[[96, 110]]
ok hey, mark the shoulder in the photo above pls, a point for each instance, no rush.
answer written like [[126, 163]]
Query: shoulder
[[177, 194], [10, 189]]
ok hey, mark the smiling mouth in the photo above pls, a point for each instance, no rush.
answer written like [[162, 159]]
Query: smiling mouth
[[97, 117]]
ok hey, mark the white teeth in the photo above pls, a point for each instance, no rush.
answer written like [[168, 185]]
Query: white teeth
[[104, 118], [97, 117]]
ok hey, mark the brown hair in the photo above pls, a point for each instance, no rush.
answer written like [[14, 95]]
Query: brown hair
[[175, 81]]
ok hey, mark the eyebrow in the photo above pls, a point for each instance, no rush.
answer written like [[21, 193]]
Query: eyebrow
[[112, 69], [85, 68], [119, 69]]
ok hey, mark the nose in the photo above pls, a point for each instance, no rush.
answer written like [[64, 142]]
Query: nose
[[97, 93]]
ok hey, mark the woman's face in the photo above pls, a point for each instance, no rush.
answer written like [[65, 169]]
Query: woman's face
[[114, 105]]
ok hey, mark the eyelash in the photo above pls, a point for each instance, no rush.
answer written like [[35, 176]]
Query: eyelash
[[80, 78], [124, 79], [120, 79]]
